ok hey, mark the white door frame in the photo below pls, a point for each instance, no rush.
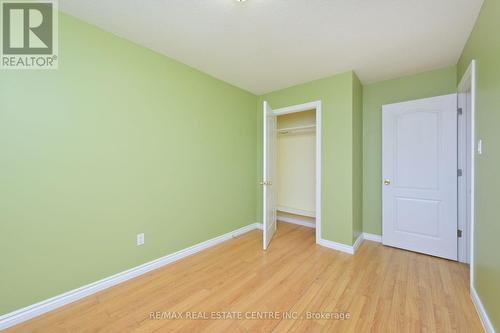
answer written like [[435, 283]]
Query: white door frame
[[316, 105], [468, 81]]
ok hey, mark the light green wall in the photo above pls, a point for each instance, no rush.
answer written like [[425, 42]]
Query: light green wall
[[336, 95], [119, 140], [484, 46], [429, 84], [357, 177]]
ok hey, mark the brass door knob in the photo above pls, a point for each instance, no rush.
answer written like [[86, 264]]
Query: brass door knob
[[387, 182]]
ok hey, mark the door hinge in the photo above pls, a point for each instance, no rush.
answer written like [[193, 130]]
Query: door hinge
[[460, 173], [460, 111], [459, 233]]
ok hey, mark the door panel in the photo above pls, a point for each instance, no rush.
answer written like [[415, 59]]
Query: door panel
[[270, 133], [420, 176], [417, 216], [418, 130]]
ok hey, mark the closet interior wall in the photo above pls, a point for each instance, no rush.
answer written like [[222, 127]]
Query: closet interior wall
[[297, 167]]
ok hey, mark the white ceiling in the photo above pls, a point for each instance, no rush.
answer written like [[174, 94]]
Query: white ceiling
[[265, 45]]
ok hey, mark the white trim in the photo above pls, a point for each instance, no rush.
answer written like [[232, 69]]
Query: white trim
[[296, 211], [485, 320], [470, 74], [265, 106], [351, 249], [318, 170], [357, 243], [298, 108], [296, 221], [336, 246], [342, 247], [463, 182], [37, 309], [316, 105], [372, 237]]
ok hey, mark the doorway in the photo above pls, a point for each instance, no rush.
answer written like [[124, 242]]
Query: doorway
[[432, 210], [293, 123]]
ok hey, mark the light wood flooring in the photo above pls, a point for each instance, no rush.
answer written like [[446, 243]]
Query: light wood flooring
[[382, 289]]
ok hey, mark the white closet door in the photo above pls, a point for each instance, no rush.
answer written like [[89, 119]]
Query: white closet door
[[270, 165], [420, 176]]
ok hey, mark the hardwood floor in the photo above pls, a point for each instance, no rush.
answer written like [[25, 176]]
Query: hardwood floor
[[381, 289]]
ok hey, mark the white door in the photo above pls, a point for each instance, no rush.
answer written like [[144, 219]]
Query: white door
[[270, 141], [419, 148]]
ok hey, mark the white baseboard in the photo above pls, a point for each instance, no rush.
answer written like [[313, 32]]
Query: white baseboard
[[350, 249], [37, 309], [295, 211], [485, 320], [336, 246], [357, 243], [324, 242], [372, 237], [296, 221]]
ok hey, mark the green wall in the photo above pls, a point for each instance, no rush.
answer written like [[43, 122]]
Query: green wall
[[429, 84], [484, 46], [336, 95], [119, 140]]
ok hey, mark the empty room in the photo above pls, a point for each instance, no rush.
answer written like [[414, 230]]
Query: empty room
[[249, 166]]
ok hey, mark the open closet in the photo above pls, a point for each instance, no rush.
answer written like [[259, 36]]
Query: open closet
[[291, 184], [296, 168]]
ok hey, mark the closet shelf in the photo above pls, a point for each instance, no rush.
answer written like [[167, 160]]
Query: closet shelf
[[297, 129]]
